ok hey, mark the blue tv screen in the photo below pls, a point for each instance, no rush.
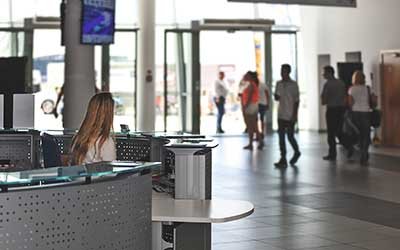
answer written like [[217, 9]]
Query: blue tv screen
[[98, 21]]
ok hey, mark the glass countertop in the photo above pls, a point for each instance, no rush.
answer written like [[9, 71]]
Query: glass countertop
[[73, 172]]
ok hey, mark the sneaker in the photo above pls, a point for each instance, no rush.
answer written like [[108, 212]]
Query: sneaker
[[248, 147], [295, 158], [282, 163], [329, 158]]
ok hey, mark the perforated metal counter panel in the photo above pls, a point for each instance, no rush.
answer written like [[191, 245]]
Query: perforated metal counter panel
[[110, 215], [133, 149]]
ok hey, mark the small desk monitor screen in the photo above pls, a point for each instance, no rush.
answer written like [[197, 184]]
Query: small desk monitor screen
[[98, 21]]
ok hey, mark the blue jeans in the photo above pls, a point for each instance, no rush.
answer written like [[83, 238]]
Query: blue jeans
[[221, 111], [286, 128], [262, 110]]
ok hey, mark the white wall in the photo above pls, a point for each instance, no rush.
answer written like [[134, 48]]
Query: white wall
[[370, 28], [308, 77]]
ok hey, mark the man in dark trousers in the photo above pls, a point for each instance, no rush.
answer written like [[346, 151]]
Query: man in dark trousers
[[288, 95], [221, 92], [334, 97]]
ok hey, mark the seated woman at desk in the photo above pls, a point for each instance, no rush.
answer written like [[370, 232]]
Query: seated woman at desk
[[94, 142]]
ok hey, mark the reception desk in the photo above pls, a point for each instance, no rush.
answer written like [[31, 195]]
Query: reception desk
[[101, 206]]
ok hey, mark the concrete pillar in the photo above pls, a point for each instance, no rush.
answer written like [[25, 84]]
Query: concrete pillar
[[79, 84], [146, 66]]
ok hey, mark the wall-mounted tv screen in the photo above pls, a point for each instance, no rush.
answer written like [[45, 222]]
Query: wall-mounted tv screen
[[98, 21]]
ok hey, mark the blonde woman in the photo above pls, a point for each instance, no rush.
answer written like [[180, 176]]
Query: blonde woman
[[361, 102], [94, 142]]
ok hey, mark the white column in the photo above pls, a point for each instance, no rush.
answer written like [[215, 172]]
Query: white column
[[146, 66], [79, 84]]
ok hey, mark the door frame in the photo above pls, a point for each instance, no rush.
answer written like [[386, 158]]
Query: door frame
[[323, 60], [194, 64], [240, 25], [105, 67]]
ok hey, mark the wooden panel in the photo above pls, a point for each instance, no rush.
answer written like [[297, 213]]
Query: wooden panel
[[391, 99]]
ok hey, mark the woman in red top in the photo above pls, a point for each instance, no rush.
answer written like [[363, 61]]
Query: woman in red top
[[250, 98]]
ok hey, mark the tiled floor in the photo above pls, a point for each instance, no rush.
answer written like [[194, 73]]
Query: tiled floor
[[315, 206]]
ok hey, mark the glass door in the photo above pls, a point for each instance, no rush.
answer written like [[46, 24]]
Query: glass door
[[47, 77], [233, 53], [181, 81], [121, 77], [285, 52]]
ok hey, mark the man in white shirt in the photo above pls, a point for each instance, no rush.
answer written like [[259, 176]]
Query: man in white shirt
[[220, 97], [288, 95]]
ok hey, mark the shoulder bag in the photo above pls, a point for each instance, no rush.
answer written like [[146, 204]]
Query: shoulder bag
[[375, 115]]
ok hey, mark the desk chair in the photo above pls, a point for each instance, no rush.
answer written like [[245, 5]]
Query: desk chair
[[51, 152]]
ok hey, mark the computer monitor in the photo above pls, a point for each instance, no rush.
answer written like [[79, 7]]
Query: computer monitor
[[12, 81], [12, 75]]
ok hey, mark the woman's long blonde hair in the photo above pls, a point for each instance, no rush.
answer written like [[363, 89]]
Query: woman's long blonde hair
[[95, 128], [358, 78]]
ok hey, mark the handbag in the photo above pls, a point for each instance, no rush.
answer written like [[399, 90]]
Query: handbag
[[375, 114], [376, 117], [350, 132], [349, 128]]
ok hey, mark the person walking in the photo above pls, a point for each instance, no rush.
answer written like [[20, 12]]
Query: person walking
[[221, 92], [242, 87], [250, 97], [263, 105], [333, 96], [288, 95], [361, 101]]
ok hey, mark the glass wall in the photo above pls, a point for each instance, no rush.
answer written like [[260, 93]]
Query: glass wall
[[5, 13], [284, 52], [5, 44], [169, 13], [173, 89], [48, 57], [48, 76], [122, 78]]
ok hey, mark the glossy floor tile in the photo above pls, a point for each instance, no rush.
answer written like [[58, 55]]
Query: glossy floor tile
[[300, 242], [316, 205]]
